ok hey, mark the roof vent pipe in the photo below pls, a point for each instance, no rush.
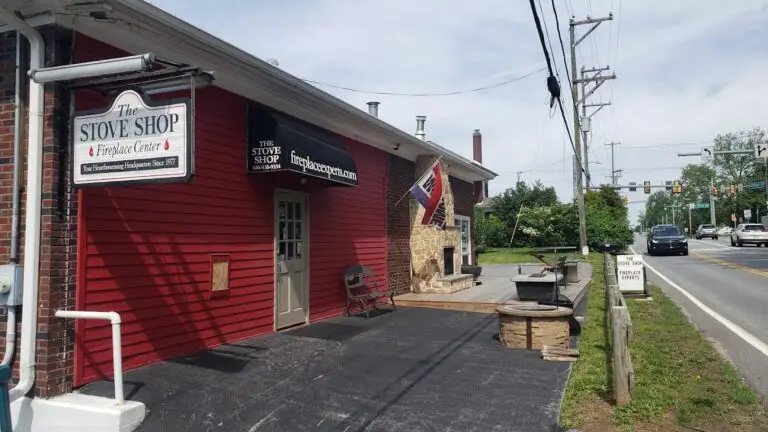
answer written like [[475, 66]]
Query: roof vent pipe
[[373, 108], [420, 134]]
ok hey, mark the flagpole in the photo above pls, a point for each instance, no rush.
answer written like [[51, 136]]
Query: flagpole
[[417, 181]]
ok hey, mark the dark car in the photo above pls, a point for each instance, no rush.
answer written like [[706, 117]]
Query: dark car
[[666, 239]]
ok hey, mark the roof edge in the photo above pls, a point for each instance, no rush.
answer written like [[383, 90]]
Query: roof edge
[[227, 49]]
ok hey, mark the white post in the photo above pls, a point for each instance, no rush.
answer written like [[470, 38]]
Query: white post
[[117, 345]]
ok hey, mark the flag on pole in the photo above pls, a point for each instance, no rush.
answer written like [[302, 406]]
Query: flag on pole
[[429, 192]]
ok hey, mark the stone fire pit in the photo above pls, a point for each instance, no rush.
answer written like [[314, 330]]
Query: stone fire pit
[[531, 326]]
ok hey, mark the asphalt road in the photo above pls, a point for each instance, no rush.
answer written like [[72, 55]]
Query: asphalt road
[[727, 298]]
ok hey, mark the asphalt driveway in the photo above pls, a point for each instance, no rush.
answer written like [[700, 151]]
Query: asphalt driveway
[[411, 370]]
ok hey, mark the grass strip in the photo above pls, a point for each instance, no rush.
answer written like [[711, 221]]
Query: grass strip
[[681, 381]]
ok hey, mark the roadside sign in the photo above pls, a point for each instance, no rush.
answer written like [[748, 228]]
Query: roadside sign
[[755, 185], [630, 273], [761, 151], [707, 153], [747, 214], [701, 205], [733, 217]]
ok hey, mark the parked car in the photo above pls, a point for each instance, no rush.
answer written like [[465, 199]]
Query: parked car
[[666, 239], [706, 230], [749, 233]]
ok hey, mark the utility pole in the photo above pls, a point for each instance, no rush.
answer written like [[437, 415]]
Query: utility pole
[[712, 202], [586, 119], [614, 177], [594, 23]]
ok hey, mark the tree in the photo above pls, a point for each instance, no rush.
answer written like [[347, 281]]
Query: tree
[[697, 181], [489, 231], [739, 169], [507, 205], [607, 218], [657, 208]]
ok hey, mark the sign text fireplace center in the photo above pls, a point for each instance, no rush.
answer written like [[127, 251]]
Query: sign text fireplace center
[[134, 141]]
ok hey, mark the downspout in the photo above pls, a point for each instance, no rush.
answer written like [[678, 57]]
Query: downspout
[[33, 210], [10, 325]]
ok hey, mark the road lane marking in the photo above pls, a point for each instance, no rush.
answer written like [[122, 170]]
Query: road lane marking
[[730, 264], [738, 331], [715, 244]]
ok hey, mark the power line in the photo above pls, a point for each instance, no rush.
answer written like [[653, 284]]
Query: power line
[[562, 45], [452, 93], [552, 85]]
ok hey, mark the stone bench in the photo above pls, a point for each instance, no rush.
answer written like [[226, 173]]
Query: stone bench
[[537, 286]]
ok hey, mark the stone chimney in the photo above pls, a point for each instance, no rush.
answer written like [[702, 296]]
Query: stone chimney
[[420, 133], [477, 146], [373, 108]]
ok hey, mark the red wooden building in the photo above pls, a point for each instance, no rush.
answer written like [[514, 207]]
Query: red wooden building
[[248, 244]]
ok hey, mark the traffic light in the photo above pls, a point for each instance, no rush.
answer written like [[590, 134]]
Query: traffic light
[[732, 190], [668, 185], [632, 187], [715, 192], [647, 187], [677, 188]]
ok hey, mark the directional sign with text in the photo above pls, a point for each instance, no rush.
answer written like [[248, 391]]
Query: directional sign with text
[[701, 205]]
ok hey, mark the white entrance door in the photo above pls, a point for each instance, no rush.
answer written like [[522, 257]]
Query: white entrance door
[[291, 287]]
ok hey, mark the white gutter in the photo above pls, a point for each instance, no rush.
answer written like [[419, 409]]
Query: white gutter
[[190, 31], [34, 200]]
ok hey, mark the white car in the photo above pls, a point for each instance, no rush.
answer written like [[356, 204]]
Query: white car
[[724, 231], [750, 233]]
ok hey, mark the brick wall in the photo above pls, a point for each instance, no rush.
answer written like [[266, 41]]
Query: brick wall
[[400, 178], [464, 205], [58, 254]]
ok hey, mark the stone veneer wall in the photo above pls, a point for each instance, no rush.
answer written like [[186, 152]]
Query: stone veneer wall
[[427, 242]]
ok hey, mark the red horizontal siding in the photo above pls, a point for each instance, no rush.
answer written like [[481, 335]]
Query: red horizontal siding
[[145, 250], [348, 226]]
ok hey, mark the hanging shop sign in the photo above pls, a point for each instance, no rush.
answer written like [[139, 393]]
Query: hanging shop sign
[[134, 141], [279, 143]]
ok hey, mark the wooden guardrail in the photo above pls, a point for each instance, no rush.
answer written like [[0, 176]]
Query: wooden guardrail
[[620, 334]]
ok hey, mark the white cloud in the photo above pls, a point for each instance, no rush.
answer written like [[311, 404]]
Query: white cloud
[[687, 70]]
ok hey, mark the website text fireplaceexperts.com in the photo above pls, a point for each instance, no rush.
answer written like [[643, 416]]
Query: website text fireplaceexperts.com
[[308, 164]]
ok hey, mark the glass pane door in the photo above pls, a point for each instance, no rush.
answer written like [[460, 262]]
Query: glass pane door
[[463, 224]]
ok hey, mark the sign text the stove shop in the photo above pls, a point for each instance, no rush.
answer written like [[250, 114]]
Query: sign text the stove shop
[[133, 141]]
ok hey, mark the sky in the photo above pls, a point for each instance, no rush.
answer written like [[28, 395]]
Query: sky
[[686, 71]]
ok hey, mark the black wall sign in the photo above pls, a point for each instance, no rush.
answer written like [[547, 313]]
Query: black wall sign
[[278, 143]]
